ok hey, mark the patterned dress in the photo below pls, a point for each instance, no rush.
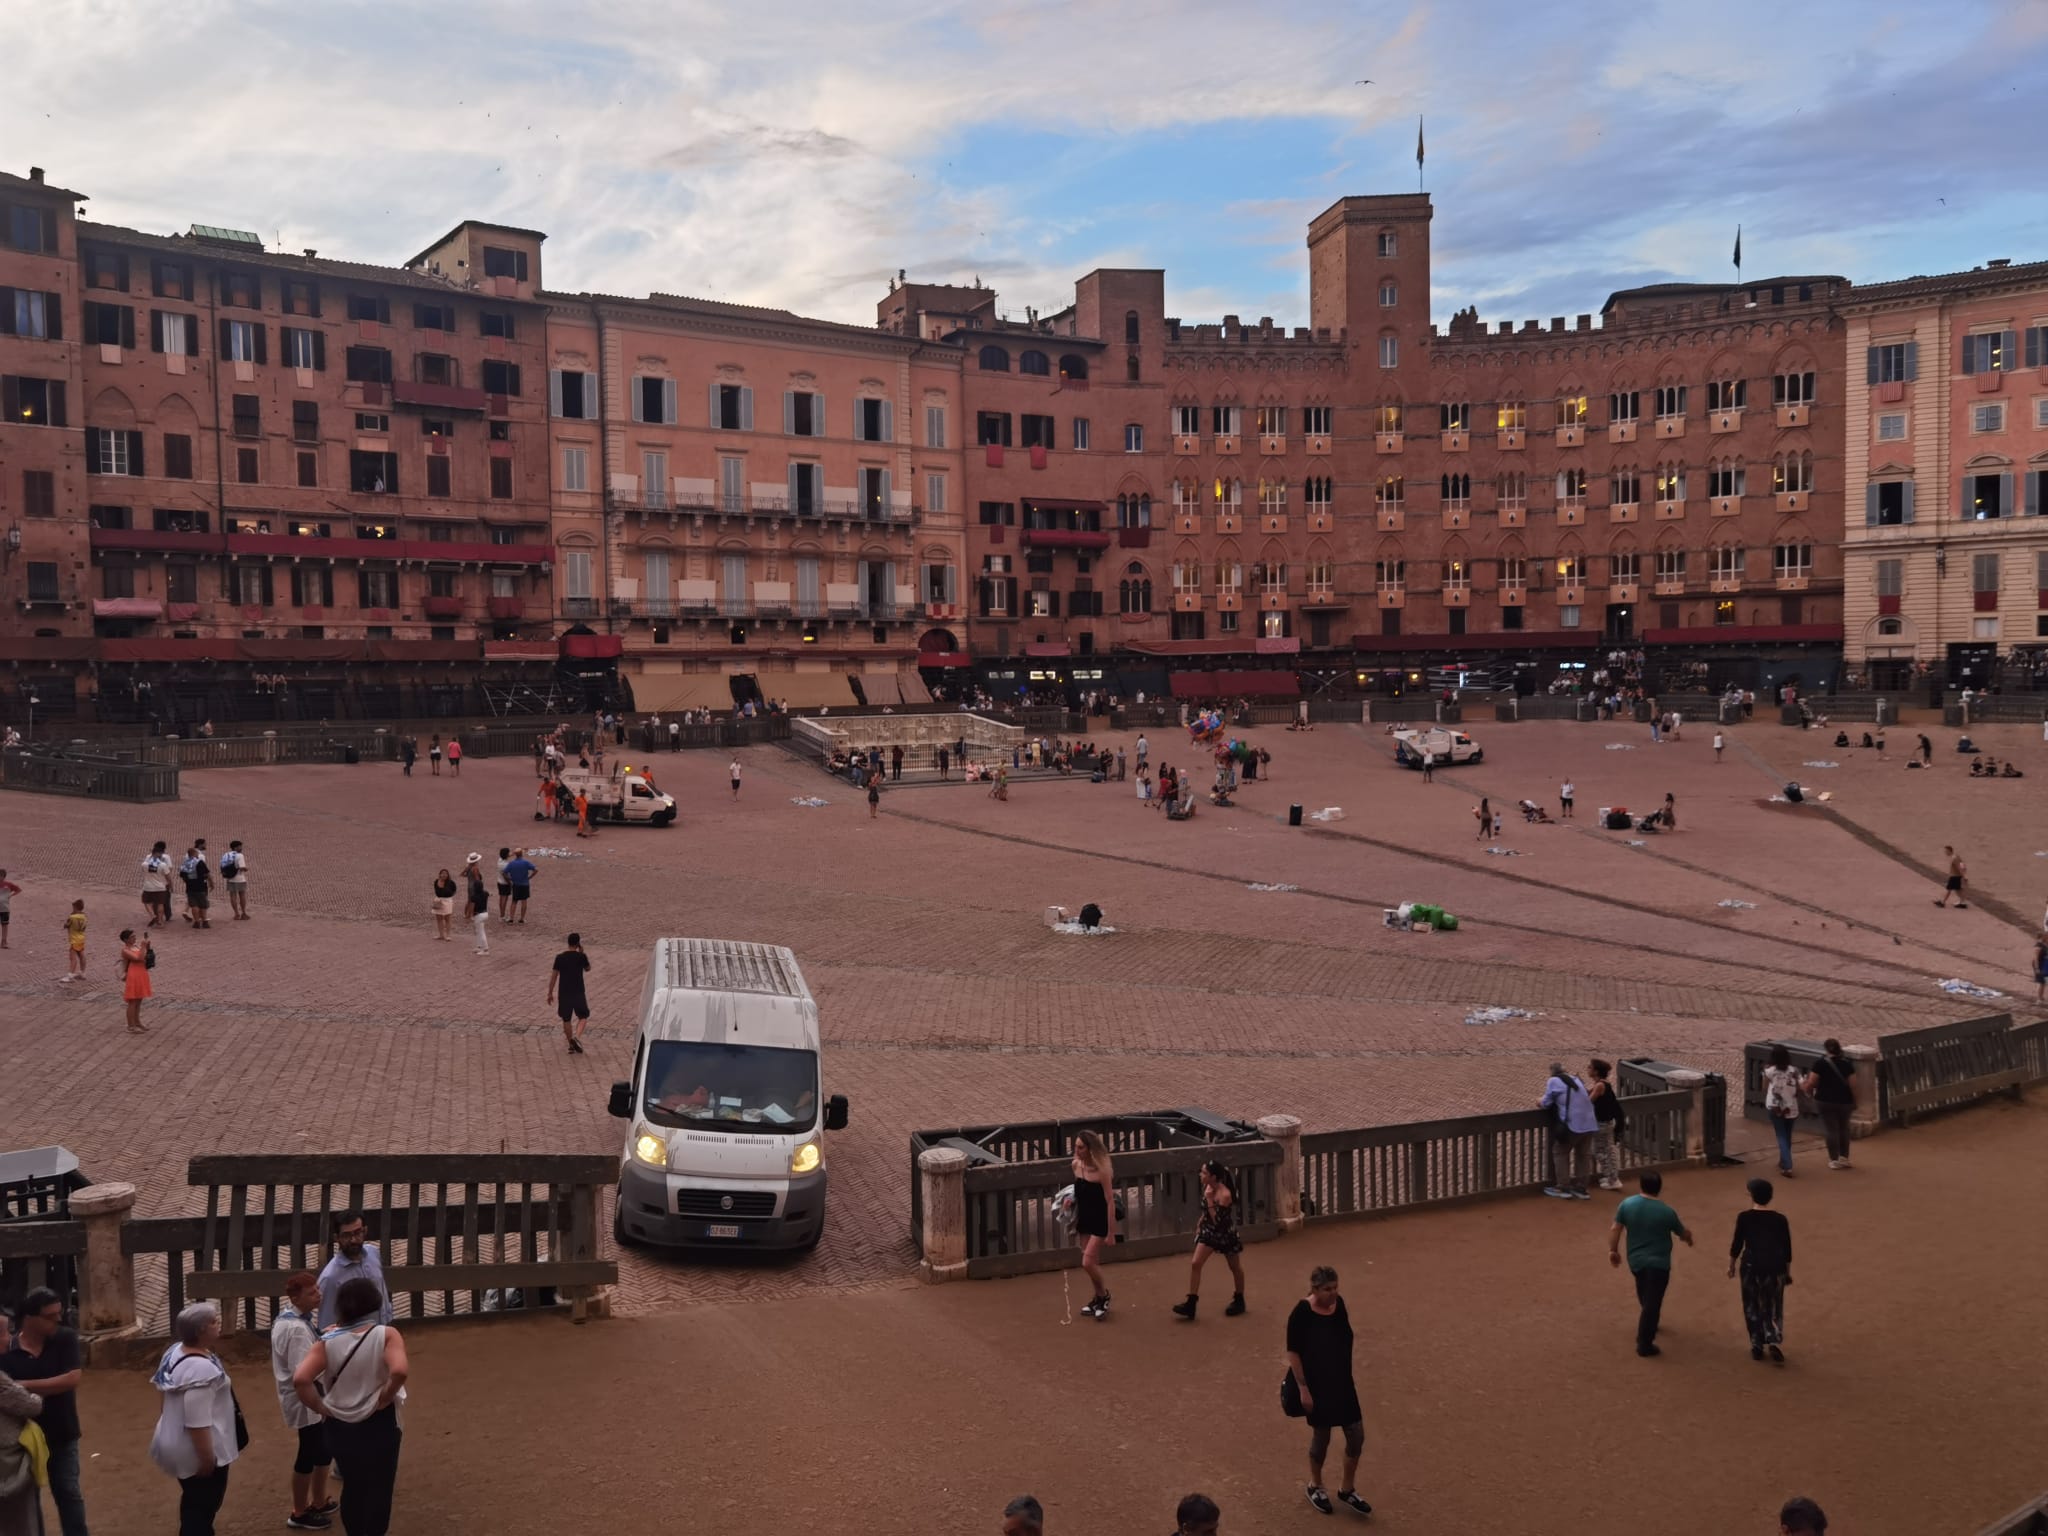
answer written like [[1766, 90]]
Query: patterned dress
[[1218, 1231]]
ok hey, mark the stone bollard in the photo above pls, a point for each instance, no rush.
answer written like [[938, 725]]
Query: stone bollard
[[1286, 1129], [944, 1174], [1694, 1083], [106, 1293], [1865, 1119]]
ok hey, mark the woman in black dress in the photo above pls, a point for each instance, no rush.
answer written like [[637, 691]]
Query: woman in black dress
[[1094, 1214], [1319, 1357], [1217, 1234]]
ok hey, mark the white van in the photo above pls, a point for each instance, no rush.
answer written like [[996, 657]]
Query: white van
[[726, 1112]]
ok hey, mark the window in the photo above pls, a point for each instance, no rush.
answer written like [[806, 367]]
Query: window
[[1391, 493], [1187, 420], [1991, 352], [935, 426], [1793, 389], [1272, 497], [499, 262], [436, 368], [732, 484], [1670, 484], [1792, 472], [1044, 603], [1987, 418], [1134, 438], [248, 415], [112, 453], [1725, 477], [1388, 420], [1986, 497], [1457, 492], [1724, 563], [501, 479], [42, 581], [1388, 246], [1727, 394], [1036, 431], [1791, 562], [497, 322], [309, 469], [1670, 400], [1390, 575], [1229, 497], [1315, 493], [575, 469], [1511, 616], [1226, 622], [576, 584], [1670, 565], [803, 413], [106, 325], [1034, 363], [1891, 578], [301, 297], [1081, 434], [1571, 411], [243, 290], [1571, 487], [935, 493], [377, 589], [653, 479], [806, 487], [1568, 616], [1390, 295], [1229, 578], [369, 307], [302, 348], [177, 456], [372, 474], [31, 229], [1455, 416], [1888, 503], [368, 365], [1134, 590], [1227, 420], [872, 421], [572, 396], [172, 334], [993, 360], [654, 400], [1624, 488], [1511, 416], [1892, 428], [39, 494], [438, 476], [1624, 568], [372, 421], [1315, 420], [106, 269], [312, 586], [1319, 577], [1571, 571], [1892, 362], [181, 583], [171, 279], [31, 402], [1390, 352], [1130, 327], [1624, 405], [241, 341], [250, 584], [992, 428], [500, 378], [435, 426], [1514, 491], [26, 312], [1984, 579], [433, 317]]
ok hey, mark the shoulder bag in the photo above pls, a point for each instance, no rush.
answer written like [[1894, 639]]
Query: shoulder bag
[[1560, 1122], [241, 1424]]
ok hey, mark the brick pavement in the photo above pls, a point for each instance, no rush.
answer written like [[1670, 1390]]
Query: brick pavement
[[335, 1022]]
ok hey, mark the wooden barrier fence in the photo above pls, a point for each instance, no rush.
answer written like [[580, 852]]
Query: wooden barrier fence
[[1951, 1064]]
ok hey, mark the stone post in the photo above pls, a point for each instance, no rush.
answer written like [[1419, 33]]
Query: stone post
[[106, 1293], [943, 1171], [1694, 1083], [1865, 1119], [1286, 1129]]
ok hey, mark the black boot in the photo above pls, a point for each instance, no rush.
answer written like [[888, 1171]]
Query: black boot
[[1236, 1307], [1187, 1308]]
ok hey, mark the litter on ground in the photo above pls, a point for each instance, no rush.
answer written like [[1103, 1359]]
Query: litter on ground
[[810, 800], [1479, 1016], [1327, 813], [1260, 885], [1086, 933], [1819, 762], [1505, 853], [1636, 842], [1738, 906], [553, 853], [1621, 746], [1956, 987]]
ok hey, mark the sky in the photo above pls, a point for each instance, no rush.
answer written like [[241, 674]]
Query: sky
[[799, 155]]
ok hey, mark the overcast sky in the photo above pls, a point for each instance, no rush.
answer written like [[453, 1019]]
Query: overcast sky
[[799, 154]]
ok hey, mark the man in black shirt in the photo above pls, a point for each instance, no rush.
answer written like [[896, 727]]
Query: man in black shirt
[[565, 991], [1763, 1248], [45, 1359]]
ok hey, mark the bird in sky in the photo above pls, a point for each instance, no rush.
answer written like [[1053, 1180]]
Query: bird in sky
[[1361, 82]]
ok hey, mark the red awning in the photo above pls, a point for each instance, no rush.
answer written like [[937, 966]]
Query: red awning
[[1250, 685], [1048, 650], [930, 659], [127, 608], [168, 649], [423, 650], [1747, 634], [1506, 640], [1242, 647], [1063, 538], [1277, 645], [1060, 504], [592, 647], [299, 650]]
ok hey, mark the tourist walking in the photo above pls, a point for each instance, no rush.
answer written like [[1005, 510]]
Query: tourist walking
[[1428, 766], [1957, 871], [1610, 1120], [444, 904], [1802, 1517], [1781, 1103], [408, 753], [198, 1430], [1564, 800], [455, 757], [1649, 1225], [156, 886], [1094, 1214], [22, 1474], [1827, 1084], [1217, 1234], [1571, 1133], [1319, 1341], [355, 1258], [896, 764], [1484, 813], [45, 1359], [1762, 1249], [504, 886], [733, 769], [136, 958], [434, 755], [1122, 766], [1144, 751], [8, 891], [198, 878], [74, 942], [478, 905], [1023, 1516], [1197, 1515], [566, 992], [354, 1378], [234, 875], [293, 1333], [519, 872]]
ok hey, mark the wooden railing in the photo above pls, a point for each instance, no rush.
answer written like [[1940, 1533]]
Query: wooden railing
[[91, 777], [34, 1253], [1952, 1064], [2031, 1520]]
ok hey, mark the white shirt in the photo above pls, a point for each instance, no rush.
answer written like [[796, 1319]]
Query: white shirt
[[1717, 741], [156, 873], [1564, 790], [291, 1336], [735, 769], [199, 1397]]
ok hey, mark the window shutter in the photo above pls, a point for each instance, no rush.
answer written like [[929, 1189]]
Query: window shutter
[[320, 353], [224, 332], [712, 410], [638, 397], [57, 418], [669, 413], [1963, 506], [1052, 604], [984, 594], [788, 412], [135, 453], [889, 587], [792, 480], [818, 413], [2007, 340], [6, 311], [554, 392], [2033, 346], [53, 319], [1912, 361], [1969, 354], [860, 585], [262, 349], [127, 327], [950, 578], [2005, 494], [885, 493], [1870, 505], [121, 268], [156, 330], [746, 408], [858, 436], [888, 422], [589, 397], [94, 457], [2034, 491], [191, 335]]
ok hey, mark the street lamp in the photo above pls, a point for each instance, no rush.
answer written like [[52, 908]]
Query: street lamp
[[33, 701]]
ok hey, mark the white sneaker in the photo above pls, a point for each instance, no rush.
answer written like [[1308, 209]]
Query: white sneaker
[[1837, 1164]]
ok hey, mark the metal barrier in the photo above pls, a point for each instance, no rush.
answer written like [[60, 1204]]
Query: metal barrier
[[1951, 1064], [89, 777], [1641, 1074]]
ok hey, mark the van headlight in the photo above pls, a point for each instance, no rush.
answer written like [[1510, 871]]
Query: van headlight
[[806, 1158], [651, 1149]]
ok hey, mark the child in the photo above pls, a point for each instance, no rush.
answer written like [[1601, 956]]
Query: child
[[8, 891], [74, 928]]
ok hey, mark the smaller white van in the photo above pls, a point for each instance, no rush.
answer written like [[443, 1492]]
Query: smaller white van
[[726, 1110]]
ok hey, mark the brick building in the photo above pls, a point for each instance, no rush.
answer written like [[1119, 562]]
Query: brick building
[[1945, 554], [749, 503]]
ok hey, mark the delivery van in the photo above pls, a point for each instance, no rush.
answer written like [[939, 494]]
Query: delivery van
[[1445, 748], [622, 795], [726, 1110]]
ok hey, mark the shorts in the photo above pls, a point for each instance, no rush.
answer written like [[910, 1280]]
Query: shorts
[[196, 896], [504, 888], [1955, 883], [735, 783], [313, 1452], [521, 892], [564, 1007], [1565, 801], [5, 917]]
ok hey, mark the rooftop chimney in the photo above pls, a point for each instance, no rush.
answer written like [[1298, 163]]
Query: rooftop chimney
[[35, 174], [311, 253], [2003, 261]]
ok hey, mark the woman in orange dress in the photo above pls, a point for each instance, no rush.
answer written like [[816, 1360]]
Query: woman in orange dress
[[135, 987]]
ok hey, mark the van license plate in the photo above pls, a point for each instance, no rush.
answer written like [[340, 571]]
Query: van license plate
[[722, 1232]]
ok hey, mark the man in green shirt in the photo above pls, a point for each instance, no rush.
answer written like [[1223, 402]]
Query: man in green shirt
[[1650, 1225]]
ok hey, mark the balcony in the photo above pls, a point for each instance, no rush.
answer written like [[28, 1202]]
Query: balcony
[[1623, 591], [1621, 431], [1456, 440], [1230, 520], [1670, 427], [1187, 520], [1726, 506], [1319, 442], [443, 606], [1187, 602], [1799, 581], [1571, 593], [1720, 423], [1227, 442], [1513, 596], [1514, 514], [1670, 586], [1392, 597], [1134, 538], [1571, 512], [1319, 519], [1792, 501], [1571, 436], [127, 608], [1272, 522], [1796, 415], [1323, 597], [1389, 518], [1062, 538], [1512, 439], [1386, 442], [440, 397], [1457, 514], [1671, 511], [579, 607], [502, 607], [1457, 597], [1272, 442], [157, 541], [1230, 599], [1725, 583], [1621, 512]]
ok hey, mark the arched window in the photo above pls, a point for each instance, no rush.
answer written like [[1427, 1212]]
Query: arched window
[[1134, 591], [1073, 368], [1891, 626], [995, 360], [1134, 510], [1131, 368], [1033, 362], [1131, 326]]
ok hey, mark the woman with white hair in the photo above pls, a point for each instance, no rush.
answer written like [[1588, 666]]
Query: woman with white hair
[[21, 1495], [199, 1432]]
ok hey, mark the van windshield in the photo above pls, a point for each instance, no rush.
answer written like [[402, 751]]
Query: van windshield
[[749, 1088]]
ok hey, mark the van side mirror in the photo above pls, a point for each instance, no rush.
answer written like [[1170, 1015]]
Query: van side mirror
[[835, 1112], [622, 1100]]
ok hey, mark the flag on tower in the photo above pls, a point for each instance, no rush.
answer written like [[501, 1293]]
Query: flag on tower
[[1738, 248], [1418, 143]]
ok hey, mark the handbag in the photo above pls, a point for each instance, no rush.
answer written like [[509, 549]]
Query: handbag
[[1560, 1124], [1290, 1397], [241, 1424]]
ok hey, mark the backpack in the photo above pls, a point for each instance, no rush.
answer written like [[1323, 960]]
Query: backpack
[[230, 862], [193, 868]]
